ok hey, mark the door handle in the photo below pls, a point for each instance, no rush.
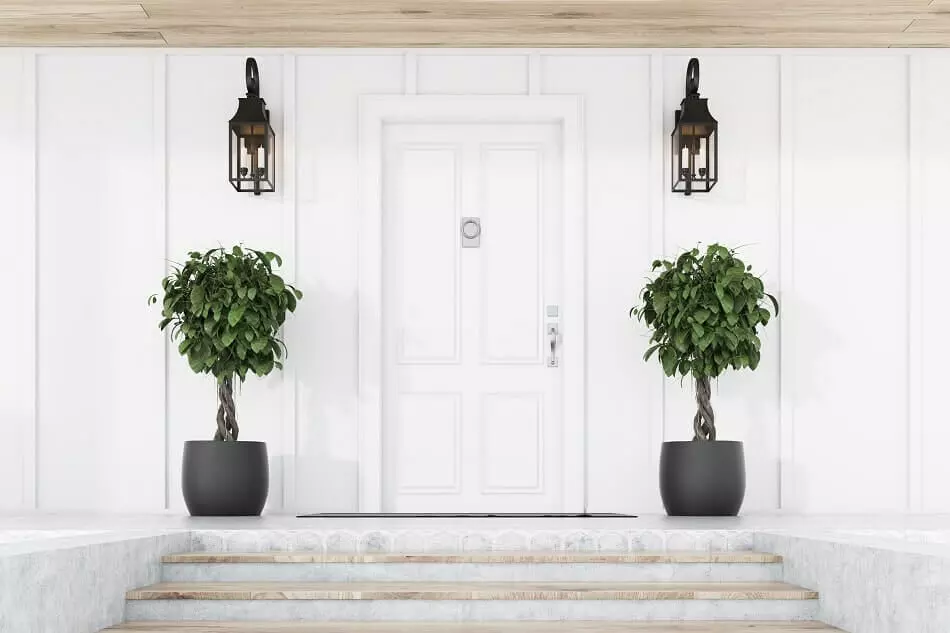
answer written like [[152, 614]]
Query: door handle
[[552, 340]]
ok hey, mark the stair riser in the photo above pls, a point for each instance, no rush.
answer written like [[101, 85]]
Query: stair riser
[[434, 572], [471, 610]]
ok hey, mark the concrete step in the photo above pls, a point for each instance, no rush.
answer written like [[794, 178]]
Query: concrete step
[[474, 566], [472, 601], [471, 627]]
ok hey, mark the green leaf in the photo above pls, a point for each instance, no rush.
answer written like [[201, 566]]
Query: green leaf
[[698, 330], [251, 293], [650, 351], [669, 358], [197, 365], [679, 341], [276, 283], [726, 302], [197, 297], [228, 337], [258, 345], [298, 294], [701, 315], [235, 313]]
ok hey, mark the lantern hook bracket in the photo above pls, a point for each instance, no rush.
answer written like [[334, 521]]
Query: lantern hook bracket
[[252, 77], [692, 78]]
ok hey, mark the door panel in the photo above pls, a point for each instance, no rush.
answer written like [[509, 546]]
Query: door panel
[[427, 295], [471, 408], [511, 295], [429, 443]]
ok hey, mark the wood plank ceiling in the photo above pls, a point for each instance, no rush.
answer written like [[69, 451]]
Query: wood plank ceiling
[[463, 23]]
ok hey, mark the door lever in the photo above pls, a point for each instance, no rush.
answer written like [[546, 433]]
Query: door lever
[[552, 339]]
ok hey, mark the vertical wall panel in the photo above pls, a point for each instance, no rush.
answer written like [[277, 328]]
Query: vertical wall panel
[[17, 257], [472, 74], [741, 212], [204, 211], [850, 284], [100, 427], [933, 92], [326, 350], [616, 93]]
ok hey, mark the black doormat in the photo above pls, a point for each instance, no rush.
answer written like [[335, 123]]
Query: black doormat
[[466, 515]]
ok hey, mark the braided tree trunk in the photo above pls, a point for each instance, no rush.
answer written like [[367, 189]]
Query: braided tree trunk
[[704, 422], [227, 418]]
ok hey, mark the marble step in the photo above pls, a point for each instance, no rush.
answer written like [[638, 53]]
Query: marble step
[[471, 627], [475, 566], [472, 601]]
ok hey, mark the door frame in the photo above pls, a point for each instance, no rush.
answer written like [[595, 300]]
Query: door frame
[[567, 112]]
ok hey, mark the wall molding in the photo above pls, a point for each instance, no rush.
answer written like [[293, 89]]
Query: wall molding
[[658, 184], [915, 253], [160, 171], [411, 70], [30, 117], [787, 493], [289, 244]]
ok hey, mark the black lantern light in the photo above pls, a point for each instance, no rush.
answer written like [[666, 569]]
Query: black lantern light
[[251, 138], [695, 146]]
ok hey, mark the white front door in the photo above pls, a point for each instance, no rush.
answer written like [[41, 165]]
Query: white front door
[[471, 401]]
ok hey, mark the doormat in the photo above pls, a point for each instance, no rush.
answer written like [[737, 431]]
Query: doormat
[[466, 515]]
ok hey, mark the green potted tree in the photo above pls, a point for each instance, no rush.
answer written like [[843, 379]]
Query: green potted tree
[[705, 311], [226, 309]]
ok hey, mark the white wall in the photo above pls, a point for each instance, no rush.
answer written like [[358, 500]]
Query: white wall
[[832, 172]]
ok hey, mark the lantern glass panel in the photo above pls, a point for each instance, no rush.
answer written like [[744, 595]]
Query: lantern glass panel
[[694, 157], [252, 157]]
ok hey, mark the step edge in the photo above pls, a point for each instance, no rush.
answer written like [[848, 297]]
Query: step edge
[[466, 592], [646, 557], [591, 626]]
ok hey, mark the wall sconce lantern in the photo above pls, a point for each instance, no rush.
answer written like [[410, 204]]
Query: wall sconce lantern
[[695, 140], [251, 138]]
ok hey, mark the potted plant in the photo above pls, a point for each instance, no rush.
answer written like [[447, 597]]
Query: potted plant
[[226, 308], [705, 310]]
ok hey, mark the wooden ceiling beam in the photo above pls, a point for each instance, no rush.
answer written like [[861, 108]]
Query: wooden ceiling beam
[[477, 23]]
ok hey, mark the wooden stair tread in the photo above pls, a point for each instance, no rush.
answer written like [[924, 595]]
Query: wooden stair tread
[[471, 627], [741, 556], [509, 590]]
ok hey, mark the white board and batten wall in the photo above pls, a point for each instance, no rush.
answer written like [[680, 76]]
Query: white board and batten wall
[[832, 172]]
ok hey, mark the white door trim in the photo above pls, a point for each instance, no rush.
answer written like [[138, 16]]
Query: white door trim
[[566, 111]]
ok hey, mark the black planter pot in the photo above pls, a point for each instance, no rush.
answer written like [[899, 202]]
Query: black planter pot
[[225, 478], [702, 478]]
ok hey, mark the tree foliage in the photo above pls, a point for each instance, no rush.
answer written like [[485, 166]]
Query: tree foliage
[[226, 308], [705, 310]]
